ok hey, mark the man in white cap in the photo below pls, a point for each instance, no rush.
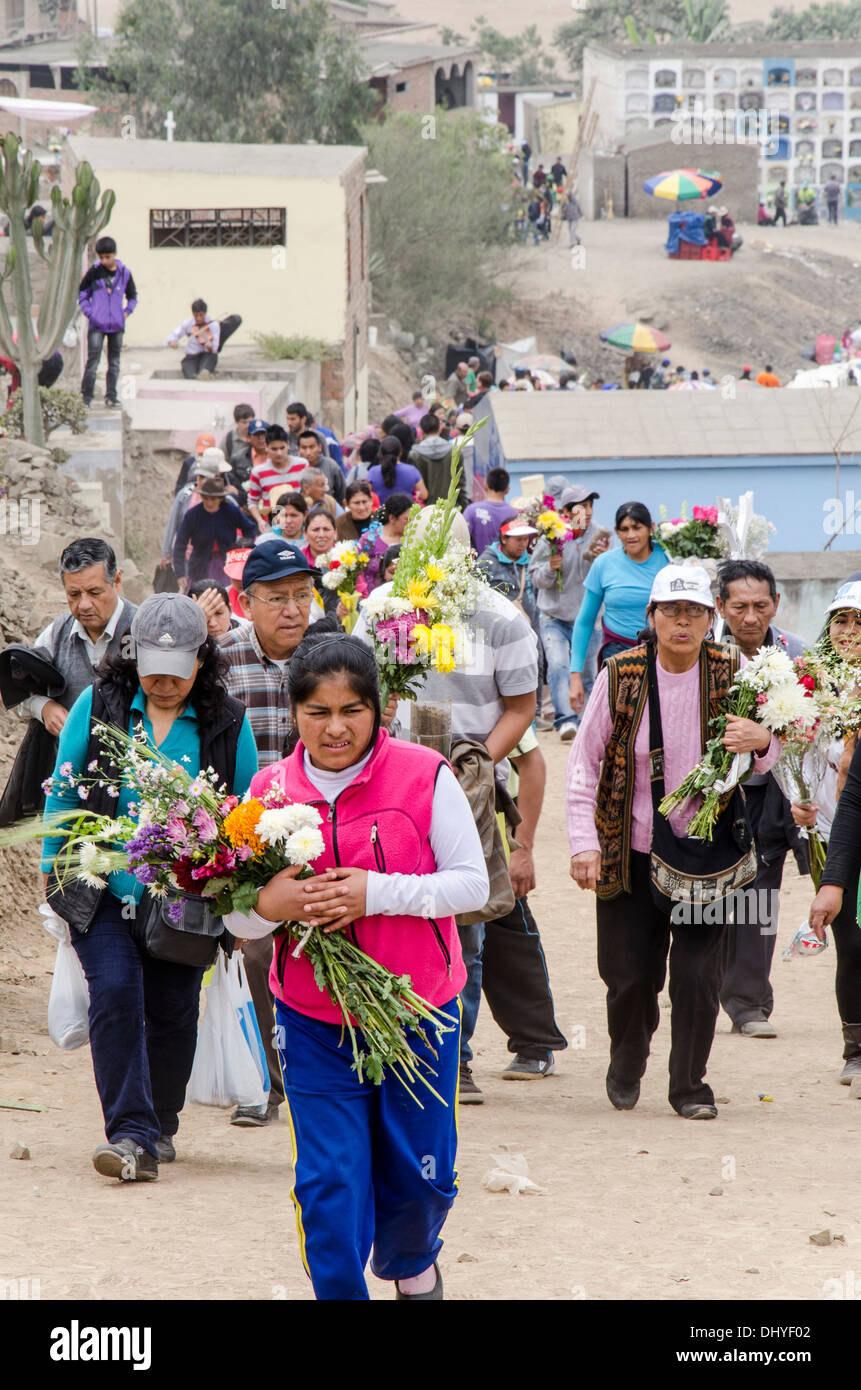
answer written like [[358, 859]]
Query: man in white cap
[[558, 606]]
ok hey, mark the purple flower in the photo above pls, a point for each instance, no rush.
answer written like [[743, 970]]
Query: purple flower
[[48, 786], [83, 793], [174, 912], [65, 769], [146, 873]]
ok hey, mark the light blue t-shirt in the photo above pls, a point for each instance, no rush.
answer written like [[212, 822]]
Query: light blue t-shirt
[[182, 745], [623, 586]]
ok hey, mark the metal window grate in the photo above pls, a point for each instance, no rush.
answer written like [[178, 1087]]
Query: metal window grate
[[218, 227]]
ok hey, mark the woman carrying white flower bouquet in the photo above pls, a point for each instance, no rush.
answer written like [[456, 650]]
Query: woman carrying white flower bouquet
[[833, 811], [373, 1169], [646, 725]]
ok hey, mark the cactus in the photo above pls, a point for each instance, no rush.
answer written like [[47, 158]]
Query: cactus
[[76, 221]]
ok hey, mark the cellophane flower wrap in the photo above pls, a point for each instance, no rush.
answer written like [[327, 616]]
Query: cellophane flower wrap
[[186, 835], [419, 625], [767, 690], [342, 568], [695, 537]]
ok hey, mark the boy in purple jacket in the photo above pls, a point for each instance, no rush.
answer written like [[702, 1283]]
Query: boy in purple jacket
[[100, 296]]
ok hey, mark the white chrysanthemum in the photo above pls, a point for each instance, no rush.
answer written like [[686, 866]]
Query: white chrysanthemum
[[771, 666], [332, 579], [303, 846], [300, 816], [378, 607], [89, 860], [785, 705], [275, 825]]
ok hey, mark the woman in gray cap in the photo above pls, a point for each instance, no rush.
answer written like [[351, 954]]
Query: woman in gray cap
[[143, 1011]]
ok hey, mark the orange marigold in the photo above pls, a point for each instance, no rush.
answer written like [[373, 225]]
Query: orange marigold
[[240, 825]]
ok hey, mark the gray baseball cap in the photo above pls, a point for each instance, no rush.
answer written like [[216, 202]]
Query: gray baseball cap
[[574, 495], [168, 630]]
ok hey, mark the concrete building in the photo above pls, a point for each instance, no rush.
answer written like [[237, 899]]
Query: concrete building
[[666, 447], [811, 92], [276, 233]]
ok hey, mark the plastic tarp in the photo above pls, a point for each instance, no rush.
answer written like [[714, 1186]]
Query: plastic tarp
[[685, 226]]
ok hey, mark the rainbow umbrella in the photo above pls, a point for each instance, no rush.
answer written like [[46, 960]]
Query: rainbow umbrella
[[638, 337], [682, 184]]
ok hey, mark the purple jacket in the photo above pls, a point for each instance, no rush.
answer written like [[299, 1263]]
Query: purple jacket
[[101, 298]]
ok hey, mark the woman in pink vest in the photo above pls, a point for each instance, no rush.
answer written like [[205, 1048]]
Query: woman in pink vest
[[372, 1169]]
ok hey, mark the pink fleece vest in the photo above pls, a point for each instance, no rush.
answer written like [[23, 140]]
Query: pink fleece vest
[[380, 822]]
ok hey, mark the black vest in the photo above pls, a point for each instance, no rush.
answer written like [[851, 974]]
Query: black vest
[[76, 902]]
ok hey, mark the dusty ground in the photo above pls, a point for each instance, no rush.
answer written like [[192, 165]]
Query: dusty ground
[[626, 1210]]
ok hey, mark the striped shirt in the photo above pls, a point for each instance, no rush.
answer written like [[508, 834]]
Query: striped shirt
[[264, 476], [503, 661]]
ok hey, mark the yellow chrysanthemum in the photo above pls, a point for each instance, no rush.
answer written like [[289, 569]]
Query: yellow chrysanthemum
[[418, 593], [420, 637], [240, 825], [349, 559], [442, 646], [363, 559], [433, 573]]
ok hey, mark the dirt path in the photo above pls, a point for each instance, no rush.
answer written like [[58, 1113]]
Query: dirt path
[[626, 1211]]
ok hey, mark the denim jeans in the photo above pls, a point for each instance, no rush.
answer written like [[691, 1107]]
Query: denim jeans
[[472, 946], [95, 338], [556, 637], [143, 1028], [193, 363]]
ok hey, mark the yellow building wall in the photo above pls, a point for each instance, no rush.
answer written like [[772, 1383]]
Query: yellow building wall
[[299, 289], [558, 126]]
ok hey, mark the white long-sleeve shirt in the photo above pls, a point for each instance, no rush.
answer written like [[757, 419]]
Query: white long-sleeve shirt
[[459, 884], [32, 707]]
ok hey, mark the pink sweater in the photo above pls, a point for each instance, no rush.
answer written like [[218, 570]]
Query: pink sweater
[[680, 720]]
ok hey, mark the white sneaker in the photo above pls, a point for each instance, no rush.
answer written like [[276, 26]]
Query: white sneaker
[[567, 731]]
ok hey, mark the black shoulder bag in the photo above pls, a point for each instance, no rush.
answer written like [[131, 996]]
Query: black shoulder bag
[[685, 870]]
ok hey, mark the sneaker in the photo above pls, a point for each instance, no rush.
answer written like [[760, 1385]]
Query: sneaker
[[698, 1112], [248, 1115], [127, 1160], [434, 1293], [165, 1149], [112, 404], [468, 1092], [542, 725], [567, 731], [755, 1028], [622, 1097], [529, 1068]]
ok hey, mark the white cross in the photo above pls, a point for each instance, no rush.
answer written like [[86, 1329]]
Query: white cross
[[169, 124]]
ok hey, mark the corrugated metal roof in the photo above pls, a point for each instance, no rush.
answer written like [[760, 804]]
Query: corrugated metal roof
[[557, 425], [204, 157]]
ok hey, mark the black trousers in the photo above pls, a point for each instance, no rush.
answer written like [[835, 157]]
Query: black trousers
[[516, 984], [847, 940], [634, 936], [748, 947], [194, 363]]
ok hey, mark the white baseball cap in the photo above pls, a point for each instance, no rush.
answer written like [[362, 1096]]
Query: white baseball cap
[[847, 596], [683, 582]]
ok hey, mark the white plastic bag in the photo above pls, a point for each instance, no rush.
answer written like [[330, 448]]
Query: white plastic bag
[[240, 993], [69, 1002], [225, 1071]]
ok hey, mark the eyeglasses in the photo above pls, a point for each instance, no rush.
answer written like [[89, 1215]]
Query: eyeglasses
[[302, 598], [682, 610]]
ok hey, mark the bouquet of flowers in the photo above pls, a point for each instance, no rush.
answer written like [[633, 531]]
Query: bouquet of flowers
[[554, 527], [418, 625], [342, 567], [190, 837], [747, 532], [698, 537], [769, 689]]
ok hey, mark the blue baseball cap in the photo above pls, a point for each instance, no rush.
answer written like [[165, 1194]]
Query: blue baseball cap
[[257, 426], [275, 559]]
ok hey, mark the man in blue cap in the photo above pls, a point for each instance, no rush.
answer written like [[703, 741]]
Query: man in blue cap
[[278, 598]]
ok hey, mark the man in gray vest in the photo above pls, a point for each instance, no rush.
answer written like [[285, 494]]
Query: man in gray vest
[[94, 627]]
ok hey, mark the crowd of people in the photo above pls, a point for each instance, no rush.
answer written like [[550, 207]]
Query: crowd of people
[[603, 642]]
